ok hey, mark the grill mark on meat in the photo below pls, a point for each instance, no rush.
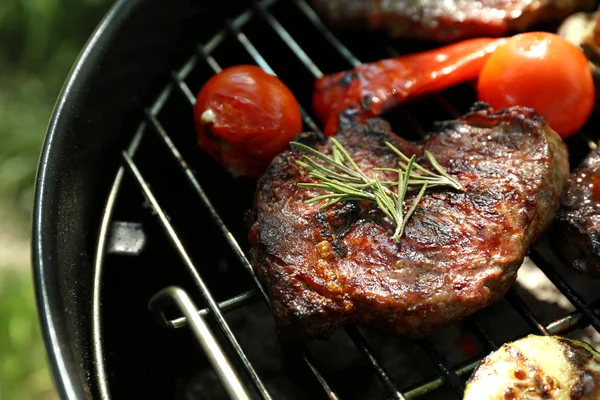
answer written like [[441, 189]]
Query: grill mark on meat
[[446, 21], [460, 250], [576, 232]]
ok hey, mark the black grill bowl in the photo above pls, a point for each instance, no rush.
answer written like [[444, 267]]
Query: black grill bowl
[[132, 89]]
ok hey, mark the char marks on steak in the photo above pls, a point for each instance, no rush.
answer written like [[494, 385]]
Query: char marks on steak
[[576, 232], [446, 21], [460, 250]]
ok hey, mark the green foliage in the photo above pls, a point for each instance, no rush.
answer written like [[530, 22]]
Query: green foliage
[[23, 372], [40, 41]]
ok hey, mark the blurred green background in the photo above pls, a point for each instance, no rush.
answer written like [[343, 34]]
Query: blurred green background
[[39, 41]]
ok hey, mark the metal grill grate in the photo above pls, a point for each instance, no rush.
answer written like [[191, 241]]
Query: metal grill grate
[[450, 375]]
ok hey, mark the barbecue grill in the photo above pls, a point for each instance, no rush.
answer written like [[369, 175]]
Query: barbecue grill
[[143, 284]]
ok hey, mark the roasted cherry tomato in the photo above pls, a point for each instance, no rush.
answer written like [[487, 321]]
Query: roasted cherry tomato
[[244, 117], [542, 71]]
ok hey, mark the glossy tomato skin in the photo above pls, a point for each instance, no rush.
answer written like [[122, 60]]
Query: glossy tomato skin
[[542, 71], [244, 117]]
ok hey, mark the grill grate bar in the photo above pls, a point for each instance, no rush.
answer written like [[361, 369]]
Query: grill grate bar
[[519, 305], [480, 333], [326, 32], [209, 59], [225, 231], [575, 320], [436, 383], [566, 289], [448, 373], [289, 41], [183, 88], [228, 305], [201, 330], [381, 372], [208, 298]]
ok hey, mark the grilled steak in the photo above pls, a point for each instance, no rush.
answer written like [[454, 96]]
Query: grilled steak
[[445, 21], [576, 232], [460, 250]]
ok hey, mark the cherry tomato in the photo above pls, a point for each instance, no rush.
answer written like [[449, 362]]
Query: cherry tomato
[[542, 71], [244, 117]]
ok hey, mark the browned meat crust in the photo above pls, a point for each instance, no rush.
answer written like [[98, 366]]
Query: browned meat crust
[[445, 21], [576, 232], [460, 250]]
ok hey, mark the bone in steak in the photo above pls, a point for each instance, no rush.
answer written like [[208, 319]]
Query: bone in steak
[[460, 250], [445, 21], [576, 232]]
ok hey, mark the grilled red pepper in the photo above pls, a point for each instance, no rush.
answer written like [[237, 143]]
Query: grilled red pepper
[[374, 88]]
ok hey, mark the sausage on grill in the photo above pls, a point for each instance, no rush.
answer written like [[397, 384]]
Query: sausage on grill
[[445, 21], [460, 251]]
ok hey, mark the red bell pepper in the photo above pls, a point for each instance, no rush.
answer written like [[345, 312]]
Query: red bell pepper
[[374, 88]]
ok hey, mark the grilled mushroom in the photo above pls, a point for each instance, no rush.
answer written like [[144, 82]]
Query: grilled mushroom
[[537, 367]]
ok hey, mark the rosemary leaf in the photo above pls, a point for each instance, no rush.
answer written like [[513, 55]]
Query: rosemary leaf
[[410, 212], [314, 165], [400, 202], [347, 156], [441, 170], [337, 155], [406, 159], [343, 180]]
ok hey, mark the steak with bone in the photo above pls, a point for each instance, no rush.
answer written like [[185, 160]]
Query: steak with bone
[[460, 250], [576, 232], [450, 20]]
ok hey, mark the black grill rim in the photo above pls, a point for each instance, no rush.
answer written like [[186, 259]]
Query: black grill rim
[[51, 313]]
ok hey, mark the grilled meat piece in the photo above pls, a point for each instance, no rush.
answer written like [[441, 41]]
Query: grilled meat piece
[[576, 232], [460, 250], [445, 21]]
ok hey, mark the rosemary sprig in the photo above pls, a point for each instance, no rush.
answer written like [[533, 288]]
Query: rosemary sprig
[[343, 179]]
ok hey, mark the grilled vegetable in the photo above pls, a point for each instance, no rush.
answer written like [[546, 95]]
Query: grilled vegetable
[[545, 72], [374, 88], [537, 367], [244, 117]]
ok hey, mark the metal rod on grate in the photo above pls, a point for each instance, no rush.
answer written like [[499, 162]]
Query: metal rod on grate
[[199, 327], [380, 370], [565, 288], [519, 305], [448, 373], [208, 298], [227, 305], [480, 333]]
